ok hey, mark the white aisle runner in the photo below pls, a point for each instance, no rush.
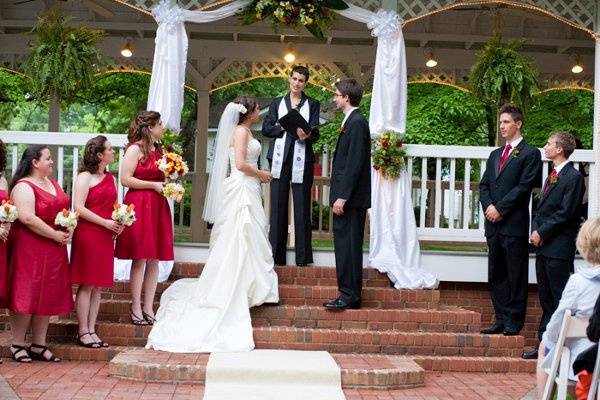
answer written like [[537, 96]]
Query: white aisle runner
[[273, 375]]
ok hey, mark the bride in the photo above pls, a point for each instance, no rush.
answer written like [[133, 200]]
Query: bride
[[211, 313]]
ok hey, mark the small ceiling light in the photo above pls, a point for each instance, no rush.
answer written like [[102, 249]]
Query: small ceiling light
[[289, 56], [431, 61], [127, 50], [577, 67]]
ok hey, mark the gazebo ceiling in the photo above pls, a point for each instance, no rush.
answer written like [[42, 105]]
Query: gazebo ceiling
[[452, 35]]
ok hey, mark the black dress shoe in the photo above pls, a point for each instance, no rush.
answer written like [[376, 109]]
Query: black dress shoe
[[339, 304], [301, 264], [530, 355], [494, 330], [510, 332]]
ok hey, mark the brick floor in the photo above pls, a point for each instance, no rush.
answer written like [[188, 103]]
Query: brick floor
[[91, 381]]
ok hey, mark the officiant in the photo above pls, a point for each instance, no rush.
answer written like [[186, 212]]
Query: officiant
[[291, 158]]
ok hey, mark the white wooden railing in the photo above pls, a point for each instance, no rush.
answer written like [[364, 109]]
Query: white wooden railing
[[444, 183]]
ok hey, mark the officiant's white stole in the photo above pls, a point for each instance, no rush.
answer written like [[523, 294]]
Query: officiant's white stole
[[299, 150]]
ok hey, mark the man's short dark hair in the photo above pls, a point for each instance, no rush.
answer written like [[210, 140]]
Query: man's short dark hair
[[302, 70], [352, 89], [514, 111], [565, 141]]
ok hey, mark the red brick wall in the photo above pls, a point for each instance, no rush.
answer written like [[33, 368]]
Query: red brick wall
[[475, 297]]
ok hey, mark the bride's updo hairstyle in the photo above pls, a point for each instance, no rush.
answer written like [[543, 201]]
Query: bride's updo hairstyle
[[249, 103], [139, 130]]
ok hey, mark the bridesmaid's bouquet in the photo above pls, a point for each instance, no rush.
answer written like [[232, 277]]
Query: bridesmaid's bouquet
[[8, 212], [123, 214], [172, 165], [67, 219], [174, 191]]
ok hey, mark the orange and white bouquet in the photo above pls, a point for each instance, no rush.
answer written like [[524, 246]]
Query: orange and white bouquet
[[174, 191], [67, 219], [8, 212], [172, 165], [123, 214]]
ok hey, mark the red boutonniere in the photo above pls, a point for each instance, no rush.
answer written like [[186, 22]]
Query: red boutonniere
[[515, 152], [341, 129], [553, 180]]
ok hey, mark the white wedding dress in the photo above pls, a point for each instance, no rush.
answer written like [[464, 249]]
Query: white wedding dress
[[212, 313]]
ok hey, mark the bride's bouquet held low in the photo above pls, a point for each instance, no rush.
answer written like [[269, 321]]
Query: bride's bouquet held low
[[388, 155], [174, 167]]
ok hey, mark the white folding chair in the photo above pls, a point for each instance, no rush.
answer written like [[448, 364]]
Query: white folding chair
[[571, 328], [594, 393]]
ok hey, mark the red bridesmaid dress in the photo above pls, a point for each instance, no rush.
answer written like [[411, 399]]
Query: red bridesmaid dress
[[39, 281], [3, 264], [151, 236], [92, 250]]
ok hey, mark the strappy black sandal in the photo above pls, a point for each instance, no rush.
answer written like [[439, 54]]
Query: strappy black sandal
[[101, 342], [42, 355], [90, 345], [149, 319], [20, 354], [139, 321]]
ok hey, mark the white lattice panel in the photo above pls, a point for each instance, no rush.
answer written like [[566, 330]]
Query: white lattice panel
[[368, 4], [239, 71]]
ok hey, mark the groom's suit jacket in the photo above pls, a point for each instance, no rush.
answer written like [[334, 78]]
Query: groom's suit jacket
[[351, 169]]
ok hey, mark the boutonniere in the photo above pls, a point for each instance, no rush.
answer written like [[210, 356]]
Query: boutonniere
[[553, 180], [341, 129], [515, 152]]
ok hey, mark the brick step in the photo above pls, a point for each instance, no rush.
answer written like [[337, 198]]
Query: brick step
[[306, 295], [358, 372], [332, 340], [446, 319], [293, 275]]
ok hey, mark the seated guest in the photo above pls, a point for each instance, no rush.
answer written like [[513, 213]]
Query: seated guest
[[39, 284], [578, 298], [555, 225], [583, 366]]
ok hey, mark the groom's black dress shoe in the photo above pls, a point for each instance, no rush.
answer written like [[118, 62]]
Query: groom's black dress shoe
[[530, 355], [339, 304], [510, 332], [494, 330]]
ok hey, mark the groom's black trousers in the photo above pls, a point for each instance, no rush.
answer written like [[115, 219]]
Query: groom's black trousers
[[348, 234], [280, 193]]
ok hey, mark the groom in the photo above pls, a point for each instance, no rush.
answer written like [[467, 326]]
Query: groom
[[350, 194]]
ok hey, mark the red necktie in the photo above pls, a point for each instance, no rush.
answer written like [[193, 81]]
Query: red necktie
[[549, 181], [504, 157]]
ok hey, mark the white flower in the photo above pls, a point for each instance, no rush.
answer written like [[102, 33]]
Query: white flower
[[243, 110]]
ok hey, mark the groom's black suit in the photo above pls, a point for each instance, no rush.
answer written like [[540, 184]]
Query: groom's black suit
[[280, 188], [351, 181], [509, 190]]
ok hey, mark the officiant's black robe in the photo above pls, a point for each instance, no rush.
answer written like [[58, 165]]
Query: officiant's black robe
[[280, 188]]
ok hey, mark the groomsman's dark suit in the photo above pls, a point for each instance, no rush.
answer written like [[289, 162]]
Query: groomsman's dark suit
[[509, 190], [351, 181], [280, 188], [557, 222]]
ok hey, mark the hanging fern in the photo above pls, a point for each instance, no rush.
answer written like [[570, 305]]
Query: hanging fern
[[501, 74], [63, 58]]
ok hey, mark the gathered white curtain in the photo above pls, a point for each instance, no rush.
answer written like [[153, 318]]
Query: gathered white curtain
[[394, 246]]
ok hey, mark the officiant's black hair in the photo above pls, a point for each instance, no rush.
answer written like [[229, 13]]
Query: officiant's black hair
[[352, 89], [302, 70]]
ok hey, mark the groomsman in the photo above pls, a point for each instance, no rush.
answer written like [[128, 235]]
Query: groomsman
[[505, 191], [292, 162], [350, 194], [555, 226]]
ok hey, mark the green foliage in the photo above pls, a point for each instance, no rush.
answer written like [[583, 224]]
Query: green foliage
[[13, 96], [63, 58], [502, 74], [565, 110]]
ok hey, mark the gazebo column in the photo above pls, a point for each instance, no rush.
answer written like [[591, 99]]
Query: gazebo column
[[200, 232]]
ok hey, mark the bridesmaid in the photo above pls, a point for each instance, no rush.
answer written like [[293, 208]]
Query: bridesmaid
[[37, 256], [150, 239], [4, 230], [92, 262]]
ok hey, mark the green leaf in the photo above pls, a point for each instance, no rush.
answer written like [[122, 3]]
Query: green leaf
[[336, 4], [316, 31]]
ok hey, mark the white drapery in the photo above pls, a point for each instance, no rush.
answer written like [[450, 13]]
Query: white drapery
[[394, 246]]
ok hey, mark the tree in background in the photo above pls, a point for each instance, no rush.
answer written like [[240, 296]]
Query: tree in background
[[501, 74], [62, 61]]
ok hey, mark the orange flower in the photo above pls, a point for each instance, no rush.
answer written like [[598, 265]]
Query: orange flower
[[65, 212], [130, 207], [77, 214], [116, 206]]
